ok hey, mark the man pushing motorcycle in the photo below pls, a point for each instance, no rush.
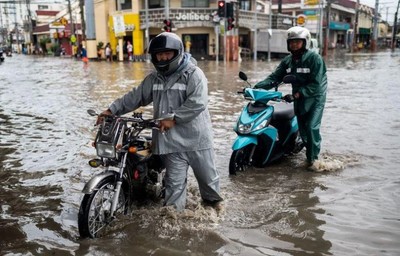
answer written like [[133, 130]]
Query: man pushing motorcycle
[[178, 90], [308, 91]]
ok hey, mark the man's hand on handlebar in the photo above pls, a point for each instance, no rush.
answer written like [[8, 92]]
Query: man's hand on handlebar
[[288, 98], [165, 125], [100, 117]]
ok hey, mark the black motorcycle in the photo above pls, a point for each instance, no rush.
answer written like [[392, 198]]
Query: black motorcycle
[[131, 173]]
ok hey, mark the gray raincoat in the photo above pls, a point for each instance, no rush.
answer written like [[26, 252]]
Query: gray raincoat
[[170, 95]]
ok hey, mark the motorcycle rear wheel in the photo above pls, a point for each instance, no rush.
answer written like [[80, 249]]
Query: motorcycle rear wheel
[[239, 160], [94, 213]]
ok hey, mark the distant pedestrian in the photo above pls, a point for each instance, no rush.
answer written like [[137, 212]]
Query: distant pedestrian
[[129, 48], [75, 51], [108, 52], [188, 44], [84, 54]]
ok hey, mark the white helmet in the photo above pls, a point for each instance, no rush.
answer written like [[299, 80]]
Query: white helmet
[[299, 33]]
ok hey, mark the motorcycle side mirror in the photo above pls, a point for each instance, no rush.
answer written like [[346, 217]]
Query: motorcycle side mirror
[[289, 79], [243, 76], [92, 112]]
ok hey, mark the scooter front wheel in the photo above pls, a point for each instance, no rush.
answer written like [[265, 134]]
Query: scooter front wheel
[[94, 213], [239, 160]]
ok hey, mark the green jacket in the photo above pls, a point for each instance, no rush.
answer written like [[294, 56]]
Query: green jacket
[[310, 72]]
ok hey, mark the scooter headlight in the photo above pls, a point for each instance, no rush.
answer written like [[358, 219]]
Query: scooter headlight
[[261, 125], [244, 128]]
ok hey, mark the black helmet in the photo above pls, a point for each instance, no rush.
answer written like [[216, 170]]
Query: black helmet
[[299, 33], [166, 41]]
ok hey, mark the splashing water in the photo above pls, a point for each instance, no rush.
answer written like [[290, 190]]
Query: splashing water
[[330, 162]]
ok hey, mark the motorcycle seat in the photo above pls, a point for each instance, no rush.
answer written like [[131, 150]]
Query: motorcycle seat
[[283, 111]]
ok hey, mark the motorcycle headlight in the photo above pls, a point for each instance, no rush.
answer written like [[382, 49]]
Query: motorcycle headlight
[[105, 150]]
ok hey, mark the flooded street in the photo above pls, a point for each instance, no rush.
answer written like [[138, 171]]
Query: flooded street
[[45, 144]]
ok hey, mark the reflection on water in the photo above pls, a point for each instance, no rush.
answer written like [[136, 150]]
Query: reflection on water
[[45, 137]]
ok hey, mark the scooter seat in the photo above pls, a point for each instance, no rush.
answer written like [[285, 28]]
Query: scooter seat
[[283, 111]]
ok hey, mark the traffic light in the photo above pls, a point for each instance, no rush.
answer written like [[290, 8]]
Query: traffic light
[[167, 25], [221, 9], [229, 10], [230, 23]]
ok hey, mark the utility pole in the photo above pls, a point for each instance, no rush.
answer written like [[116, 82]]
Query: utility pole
[[321, 23], [146, 32], [30, 29], [355, 28], [255, 36], [16, 27], [395, 27], [270, 30], [71, 21], [83, 22], [328, 21], [166, 10], [375, 32]]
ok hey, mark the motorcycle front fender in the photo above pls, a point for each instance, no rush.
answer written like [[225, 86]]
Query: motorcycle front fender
[[92, 183], [243, 141]]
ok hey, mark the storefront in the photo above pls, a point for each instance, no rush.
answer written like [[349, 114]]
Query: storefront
[[196, 44]]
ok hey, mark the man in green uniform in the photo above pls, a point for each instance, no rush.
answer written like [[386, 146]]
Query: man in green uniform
[[308, 91]]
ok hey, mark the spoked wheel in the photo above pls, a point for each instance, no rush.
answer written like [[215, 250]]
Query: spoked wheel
[[95, 211], [239, 160]]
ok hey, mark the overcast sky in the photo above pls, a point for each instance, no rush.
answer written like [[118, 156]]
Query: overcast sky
[[387, 8]]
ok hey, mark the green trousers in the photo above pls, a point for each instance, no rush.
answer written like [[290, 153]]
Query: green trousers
[[309, 115]]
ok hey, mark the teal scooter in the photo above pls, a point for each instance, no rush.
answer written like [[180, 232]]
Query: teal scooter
[[267, 128]]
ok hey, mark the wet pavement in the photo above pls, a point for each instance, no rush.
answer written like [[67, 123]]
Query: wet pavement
[[45, 138]]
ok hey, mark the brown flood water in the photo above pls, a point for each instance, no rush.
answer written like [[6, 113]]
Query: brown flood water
[[45, 137]]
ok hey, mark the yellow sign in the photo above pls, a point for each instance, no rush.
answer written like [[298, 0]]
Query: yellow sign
[[311, 2], [56, 24], [63, 21], [301, 20]]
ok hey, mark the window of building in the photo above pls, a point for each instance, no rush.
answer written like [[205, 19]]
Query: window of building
[[156, 4], [125, 5], [43, 7], [245, 5], [195, 3]]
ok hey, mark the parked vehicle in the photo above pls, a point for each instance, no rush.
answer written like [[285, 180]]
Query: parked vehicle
[[1, 55], [267, 128], [131, 173], [277, 39], [314, 45]]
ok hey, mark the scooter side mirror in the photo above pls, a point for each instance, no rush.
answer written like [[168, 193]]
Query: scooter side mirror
[[289, 79], [243, 76]]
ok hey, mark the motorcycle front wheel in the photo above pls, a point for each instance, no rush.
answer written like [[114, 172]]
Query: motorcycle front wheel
[[239, 160], [95, 210]]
